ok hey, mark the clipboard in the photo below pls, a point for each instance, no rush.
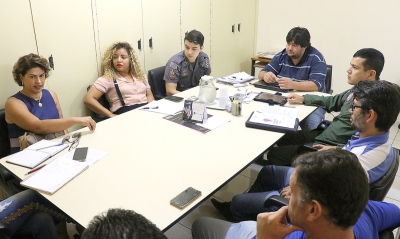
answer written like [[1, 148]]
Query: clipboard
[[269, 127]]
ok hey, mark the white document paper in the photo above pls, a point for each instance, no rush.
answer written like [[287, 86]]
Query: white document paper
[[214, 122], [163, 107], [275, 115], [92, 156], [54, 175]]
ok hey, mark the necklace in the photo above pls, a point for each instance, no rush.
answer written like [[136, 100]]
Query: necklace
[[40, 104]]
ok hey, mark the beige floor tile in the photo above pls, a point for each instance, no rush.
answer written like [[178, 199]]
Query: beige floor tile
[[237, 185], [206, 209], [252, 171], [178, 231]]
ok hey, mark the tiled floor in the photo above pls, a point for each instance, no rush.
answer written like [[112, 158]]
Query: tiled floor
[[244, 180]]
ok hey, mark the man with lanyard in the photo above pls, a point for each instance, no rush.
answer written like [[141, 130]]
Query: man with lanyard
[[299, 67], [184, 70]]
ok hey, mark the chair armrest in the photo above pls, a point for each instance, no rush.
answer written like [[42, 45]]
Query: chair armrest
[[5, 174], [277, 201]]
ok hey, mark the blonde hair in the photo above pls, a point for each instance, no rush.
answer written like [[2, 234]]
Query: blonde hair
[[107, 67]]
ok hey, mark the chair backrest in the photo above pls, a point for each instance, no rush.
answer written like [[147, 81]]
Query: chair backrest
[[328, 79], [157, 82], [379, 189], [4, 139], [103, 101]]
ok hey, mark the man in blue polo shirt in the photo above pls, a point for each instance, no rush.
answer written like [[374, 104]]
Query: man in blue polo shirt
[[184, 70], [300, 67], [329, 200], [374, 110]]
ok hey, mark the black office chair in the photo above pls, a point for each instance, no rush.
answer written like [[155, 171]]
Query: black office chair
[[103, 101], [379, 189], [328, 79], [5, 175], [157, 83]]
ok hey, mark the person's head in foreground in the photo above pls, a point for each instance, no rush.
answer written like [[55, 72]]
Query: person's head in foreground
[[121, 224]]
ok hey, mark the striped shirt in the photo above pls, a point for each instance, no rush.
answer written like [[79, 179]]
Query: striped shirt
[[312, 67]]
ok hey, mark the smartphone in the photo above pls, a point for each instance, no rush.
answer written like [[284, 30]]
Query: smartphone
[[174, 98], [185, 197], [80, 154]]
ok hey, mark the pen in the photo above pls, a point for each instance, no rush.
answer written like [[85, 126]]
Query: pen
[[148, 108], [35, 169], [50, 146]]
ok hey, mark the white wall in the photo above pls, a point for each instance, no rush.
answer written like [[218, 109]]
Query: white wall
[[338, 29]]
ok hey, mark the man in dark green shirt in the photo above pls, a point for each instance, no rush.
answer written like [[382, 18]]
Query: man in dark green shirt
[[366, 64]]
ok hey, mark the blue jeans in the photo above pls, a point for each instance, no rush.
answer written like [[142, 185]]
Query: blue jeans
[[270, 181], [28, 212], [313, 120]]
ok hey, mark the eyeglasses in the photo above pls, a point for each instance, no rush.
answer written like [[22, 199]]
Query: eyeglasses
[[75, 140], [353, 107]]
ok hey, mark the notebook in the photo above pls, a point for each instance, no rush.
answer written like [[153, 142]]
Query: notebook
[[270, 86], [37, 153], [237, 78], [55, 175]]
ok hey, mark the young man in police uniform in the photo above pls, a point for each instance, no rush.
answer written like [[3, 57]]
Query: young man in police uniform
[[184, 70]]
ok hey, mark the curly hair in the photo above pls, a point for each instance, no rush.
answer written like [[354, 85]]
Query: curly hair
[[107, 67], [27, 62], [121, 224]]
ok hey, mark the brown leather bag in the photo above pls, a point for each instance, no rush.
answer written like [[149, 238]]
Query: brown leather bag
[[30, 138]]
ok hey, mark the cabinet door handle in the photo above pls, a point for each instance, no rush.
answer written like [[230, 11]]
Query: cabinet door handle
[[151, 42], [233, 28], [139, 44], [51, 61], [239, 27]]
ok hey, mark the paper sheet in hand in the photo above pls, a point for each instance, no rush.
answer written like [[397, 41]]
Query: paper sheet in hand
[[31, 158]]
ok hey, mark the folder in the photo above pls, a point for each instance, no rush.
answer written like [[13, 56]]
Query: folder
[[272, 127]]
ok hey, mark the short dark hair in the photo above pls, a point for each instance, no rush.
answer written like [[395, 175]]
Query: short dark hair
[[121, 224], [374, 60], [27, 62], [336, 179], [195, 37], [381, 96], [300, 36]]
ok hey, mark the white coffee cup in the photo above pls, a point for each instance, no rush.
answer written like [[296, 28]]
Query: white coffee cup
[[223, 96]]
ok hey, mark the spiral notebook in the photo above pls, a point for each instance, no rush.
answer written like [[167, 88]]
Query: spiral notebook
[[37, 153]]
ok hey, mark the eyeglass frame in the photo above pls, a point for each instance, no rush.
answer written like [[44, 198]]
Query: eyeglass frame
[[74, 143], [353, 107]]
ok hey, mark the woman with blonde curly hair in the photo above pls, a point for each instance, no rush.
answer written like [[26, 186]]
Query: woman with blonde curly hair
[[123, 81], [35, 109]]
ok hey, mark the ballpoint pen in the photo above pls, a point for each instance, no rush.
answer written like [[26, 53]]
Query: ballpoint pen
[[35, 169], [50, 146], [148, 108]]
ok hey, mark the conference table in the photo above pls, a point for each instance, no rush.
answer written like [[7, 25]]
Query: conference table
[[151, 160]]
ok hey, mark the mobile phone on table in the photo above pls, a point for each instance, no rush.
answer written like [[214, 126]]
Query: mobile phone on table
[[80, 154], [174, 98], [185, 197]]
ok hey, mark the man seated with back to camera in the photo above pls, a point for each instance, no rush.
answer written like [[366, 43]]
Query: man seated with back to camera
[[121, 224], [329, 200], [366, 64], [184, 70], [299, 67], [374, 110]]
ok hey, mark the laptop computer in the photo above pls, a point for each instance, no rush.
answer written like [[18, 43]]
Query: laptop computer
[[270, 86]]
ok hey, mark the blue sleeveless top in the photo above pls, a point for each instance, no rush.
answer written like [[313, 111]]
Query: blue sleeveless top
[[47, 111]]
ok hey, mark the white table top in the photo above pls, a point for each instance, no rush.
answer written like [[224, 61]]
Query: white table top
[[151, 160]]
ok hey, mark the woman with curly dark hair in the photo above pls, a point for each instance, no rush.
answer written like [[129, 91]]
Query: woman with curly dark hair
[[123, 81], [35, 109]]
